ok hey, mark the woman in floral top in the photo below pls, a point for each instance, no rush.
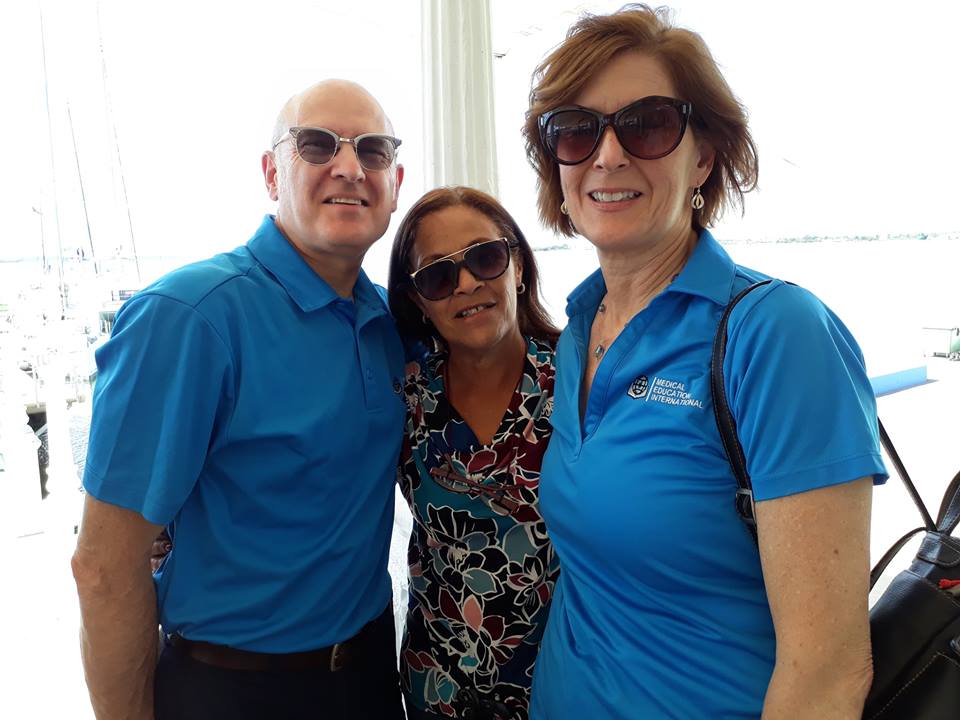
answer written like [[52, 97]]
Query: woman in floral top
[[464, 282]]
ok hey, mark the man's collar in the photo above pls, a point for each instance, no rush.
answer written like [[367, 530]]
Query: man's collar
[[307, 289], [708, 272]]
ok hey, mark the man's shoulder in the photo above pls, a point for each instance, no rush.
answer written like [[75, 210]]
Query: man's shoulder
[[193, 283]]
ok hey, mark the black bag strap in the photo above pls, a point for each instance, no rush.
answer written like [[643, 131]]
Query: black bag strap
[[743, 501], [947, 518], [928, 523], [949, 514], [890, 555]]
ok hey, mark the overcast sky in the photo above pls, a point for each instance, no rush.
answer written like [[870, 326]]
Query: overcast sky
[[853, 106]]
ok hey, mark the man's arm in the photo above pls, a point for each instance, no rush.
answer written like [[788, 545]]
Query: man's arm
[[814, 547], [118, 610]]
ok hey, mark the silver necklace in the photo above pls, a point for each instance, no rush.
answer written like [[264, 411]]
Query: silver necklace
[[600, 349]]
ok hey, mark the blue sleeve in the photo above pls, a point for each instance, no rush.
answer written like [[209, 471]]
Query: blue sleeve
[[164, 389], [798, 389]]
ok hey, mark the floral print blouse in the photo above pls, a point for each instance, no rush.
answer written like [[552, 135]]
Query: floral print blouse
[[482, 570]]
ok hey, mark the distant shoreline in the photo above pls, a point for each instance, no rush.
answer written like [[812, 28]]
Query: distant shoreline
[[806, 239], [809, 239]]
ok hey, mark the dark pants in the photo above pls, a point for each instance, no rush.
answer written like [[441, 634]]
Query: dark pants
[[415, 713], [367, 689]]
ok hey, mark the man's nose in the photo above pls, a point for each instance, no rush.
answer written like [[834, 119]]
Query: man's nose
[[346, 164]]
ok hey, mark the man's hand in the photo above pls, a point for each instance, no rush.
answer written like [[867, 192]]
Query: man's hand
[[159, 550], [118, 609]]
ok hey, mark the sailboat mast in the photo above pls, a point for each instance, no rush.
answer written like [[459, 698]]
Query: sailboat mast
[[53, 167], [83, 195], [43, 239], [116, 143]]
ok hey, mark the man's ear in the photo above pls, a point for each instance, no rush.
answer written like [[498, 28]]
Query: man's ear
[[268, 162], [396, 187]]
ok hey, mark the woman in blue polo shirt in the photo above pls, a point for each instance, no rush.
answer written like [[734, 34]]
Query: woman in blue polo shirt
[[664, 607], [464, 282]]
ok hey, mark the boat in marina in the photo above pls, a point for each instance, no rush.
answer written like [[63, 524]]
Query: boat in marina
[[942, 342]]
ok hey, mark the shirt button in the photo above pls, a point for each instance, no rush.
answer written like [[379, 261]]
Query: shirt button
[[369, 374]]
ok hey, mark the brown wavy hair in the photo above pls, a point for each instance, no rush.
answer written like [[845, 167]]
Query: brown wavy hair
[[718, 116], [533, 318]]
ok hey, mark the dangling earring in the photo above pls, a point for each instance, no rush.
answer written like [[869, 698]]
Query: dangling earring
[[563, 208], [696, 201], [521, 288]]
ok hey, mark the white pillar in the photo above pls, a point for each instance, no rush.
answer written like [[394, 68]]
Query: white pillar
[[459, 133]]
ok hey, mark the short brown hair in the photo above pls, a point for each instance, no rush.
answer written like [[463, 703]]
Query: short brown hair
[[533, 318], [718, 117]]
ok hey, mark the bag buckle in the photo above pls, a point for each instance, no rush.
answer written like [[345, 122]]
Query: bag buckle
[[746, 507], [338, 657]]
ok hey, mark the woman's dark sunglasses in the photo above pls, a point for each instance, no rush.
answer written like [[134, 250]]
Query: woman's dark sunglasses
[[494, 494], [487, 260], [649, 128], [318, 146]]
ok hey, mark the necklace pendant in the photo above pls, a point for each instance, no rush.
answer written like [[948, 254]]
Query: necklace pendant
[[598, 351], [602, 308]]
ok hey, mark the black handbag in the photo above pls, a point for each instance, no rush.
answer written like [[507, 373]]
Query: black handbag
[[915, 624]]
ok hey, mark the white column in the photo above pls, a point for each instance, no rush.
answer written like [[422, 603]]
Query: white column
[[459, 136]]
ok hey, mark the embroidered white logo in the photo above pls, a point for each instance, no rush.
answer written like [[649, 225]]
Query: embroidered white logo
[[662, 390]]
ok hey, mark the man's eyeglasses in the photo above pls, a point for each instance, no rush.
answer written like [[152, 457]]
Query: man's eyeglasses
[[318, 146], [649, 128], [486, 260]]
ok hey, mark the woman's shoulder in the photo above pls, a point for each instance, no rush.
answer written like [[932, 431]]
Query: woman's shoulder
[[423, 373], [783, 317], [779, 304], [541, 352]]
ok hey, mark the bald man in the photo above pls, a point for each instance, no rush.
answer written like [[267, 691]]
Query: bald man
[[250, 404]]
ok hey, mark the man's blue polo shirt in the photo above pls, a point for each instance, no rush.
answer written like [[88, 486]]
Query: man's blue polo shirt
[[660, 610], [245, 404]]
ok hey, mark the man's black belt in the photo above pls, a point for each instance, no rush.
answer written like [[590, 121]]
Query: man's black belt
[[329, 659]]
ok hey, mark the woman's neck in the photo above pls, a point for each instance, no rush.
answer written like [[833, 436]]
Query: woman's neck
[[496, 367], [634, 278]]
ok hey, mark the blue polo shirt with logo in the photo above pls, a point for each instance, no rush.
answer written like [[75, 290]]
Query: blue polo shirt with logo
[[247, 406], [660, 609]]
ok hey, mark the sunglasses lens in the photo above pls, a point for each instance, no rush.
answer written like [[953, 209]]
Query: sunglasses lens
[[487, 261], [571, 135], [649, 131], [316, 146], [437, 280], [375, 152]]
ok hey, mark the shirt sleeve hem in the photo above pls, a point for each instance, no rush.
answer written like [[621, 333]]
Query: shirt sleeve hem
[[837, 473], [94, 486]]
